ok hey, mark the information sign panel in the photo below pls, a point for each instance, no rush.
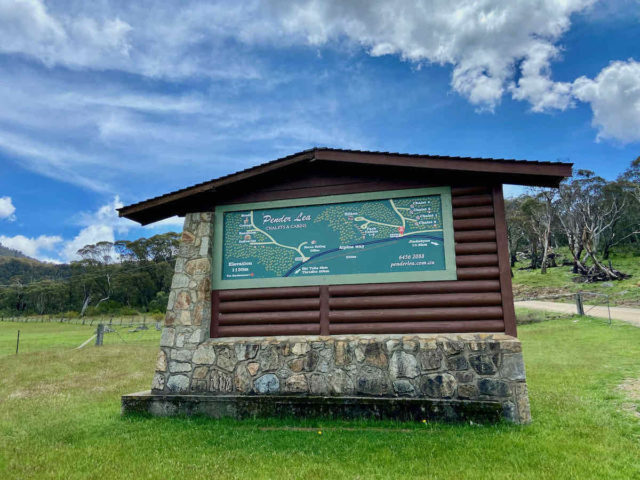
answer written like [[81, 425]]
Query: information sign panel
[[392, 236]]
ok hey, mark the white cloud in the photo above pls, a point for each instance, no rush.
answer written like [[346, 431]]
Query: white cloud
[[483, 40], [87, 236], [7, 210], [100, 225], [104, 225], [192, 73], [176, 222], [106, 216], [32, 247], [614, 96], [536, 86], [27, 27]]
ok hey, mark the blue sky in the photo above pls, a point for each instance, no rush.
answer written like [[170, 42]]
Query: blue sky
[[109, 103]]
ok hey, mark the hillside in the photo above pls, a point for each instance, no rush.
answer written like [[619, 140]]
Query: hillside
[[10, 252], [30, 270]]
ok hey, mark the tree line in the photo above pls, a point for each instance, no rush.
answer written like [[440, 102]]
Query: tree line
[[588, 215], [122, 277]]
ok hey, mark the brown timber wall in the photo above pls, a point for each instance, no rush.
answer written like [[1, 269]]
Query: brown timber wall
[[480, 300]]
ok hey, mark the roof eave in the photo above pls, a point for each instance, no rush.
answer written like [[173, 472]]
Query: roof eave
[[518, 172]]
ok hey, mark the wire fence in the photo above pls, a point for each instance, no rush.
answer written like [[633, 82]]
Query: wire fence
[[581, 308], [22, 335], [118, 320]]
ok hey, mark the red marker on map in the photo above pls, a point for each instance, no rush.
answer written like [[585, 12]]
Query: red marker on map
[[401, 230]]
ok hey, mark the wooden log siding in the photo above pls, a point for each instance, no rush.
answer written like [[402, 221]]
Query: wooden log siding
[[472, 303]]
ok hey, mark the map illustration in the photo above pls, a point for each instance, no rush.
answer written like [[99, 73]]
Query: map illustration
[[372, 236]]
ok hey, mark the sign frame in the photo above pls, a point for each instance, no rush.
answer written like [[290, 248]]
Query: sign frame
[[449, 273]]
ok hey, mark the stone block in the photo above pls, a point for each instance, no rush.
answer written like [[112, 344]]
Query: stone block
[[374, 355], [267, 383], [187, 237], [178, 383], [158, 382], [300, 348], [168, 337], [179, 367], [199, 266], [246, 351], [180, 280], [268, 358], [204, 247], [467, 391], [451, 346], [512, 367], [318, 385], [483, 364], [220, 382], [440, 385], [410, 345], [457, 362], [465, 377], [493, 388], [430, 359], [404, 388], [340, 383], [373, 381], [181, 355], [523, 411], [343, 353], [296, 384], [204, 355], [161, 362], [198, 386], [403, 365], [200, 373], [242, 379], [253, 368], [225, 359]]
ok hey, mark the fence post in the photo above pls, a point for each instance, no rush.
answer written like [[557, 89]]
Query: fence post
[[99, 334], [18, 342], [579, 305]]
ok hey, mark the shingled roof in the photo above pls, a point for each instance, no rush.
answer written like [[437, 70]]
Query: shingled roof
[[519, 172]]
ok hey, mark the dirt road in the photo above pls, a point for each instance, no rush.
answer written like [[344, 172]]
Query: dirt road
[[625, 314]]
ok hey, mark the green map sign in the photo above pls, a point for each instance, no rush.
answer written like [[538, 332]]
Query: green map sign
[[404, 235]]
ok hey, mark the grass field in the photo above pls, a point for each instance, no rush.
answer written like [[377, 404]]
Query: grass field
[[531, 283], [39, 337], [60, 418]]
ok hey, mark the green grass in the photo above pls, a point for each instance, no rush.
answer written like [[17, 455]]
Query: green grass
[[38, 337], [60, 418], [531, 283]]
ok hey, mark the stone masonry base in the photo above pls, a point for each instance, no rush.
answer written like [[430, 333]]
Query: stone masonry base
[[433, 371]]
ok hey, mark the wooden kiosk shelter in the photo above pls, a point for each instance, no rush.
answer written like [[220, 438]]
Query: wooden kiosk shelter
[[344, 283]]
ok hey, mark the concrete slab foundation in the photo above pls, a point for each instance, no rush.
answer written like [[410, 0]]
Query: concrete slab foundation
[[284, 406]]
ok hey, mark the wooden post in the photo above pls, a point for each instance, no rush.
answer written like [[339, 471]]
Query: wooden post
[[18, 342], [324, 310], [504, 262], [99, 335], [579, 305], [215, 313]]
